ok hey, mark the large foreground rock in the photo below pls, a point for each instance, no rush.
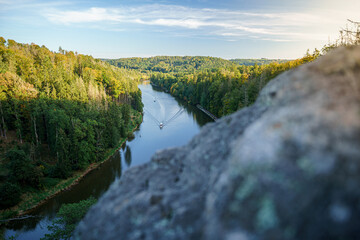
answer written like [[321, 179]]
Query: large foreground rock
[[287, 167]]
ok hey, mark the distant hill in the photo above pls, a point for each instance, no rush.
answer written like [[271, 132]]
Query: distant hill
[[167, 64], [252, 62]]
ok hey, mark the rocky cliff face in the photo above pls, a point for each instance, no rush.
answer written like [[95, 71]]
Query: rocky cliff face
[[287, 167]]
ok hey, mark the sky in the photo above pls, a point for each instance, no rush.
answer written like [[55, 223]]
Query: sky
[[143, 28]]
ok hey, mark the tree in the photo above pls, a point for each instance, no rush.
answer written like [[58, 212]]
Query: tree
[[22, 171], [10, 194], [67, 218], [67, 107]]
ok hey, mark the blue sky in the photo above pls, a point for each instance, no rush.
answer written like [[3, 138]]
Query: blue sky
[[143, 28]]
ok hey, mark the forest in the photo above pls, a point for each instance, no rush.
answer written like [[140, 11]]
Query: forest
[[252, 62], [170, 64], [221, 86], [60, 111], [226, 89]]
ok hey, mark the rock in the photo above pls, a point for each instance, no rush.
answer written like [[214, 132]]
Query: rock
[[287, 167]]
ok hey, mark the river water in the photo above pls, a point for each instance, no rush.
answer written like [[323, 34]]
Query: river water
[[180, 122]]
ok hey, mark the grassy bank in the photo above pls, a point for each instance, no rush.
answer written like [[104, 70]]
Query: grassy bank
[[32, 200]]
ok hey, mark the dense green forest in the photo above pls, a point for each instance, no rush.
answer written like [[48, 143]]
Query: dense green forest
[[60, 111], [226, 89], [177, 64], [171, 64], [221, 86], [252, 62]]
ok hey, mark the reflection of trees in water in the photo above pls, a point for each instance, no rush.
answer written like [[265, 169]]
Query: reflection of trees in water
[[23, 224], [94, 184], [128, 156], [115, 164]]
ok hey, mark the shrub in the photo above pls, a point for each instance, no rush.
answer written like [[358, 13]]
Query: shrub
[[10, 195], [67, 218]]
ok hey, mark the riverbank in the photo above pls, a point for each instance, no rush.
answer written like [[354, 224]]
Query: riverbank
[[33, 200], [207, 112]]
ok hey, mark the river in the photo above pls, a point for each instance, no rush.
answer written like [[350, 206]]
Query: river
[[180, 122]]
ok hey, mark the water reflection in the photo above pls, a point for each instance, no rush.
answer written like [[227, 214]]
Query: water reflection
[[93, 184], [138, 150], [128, 156]]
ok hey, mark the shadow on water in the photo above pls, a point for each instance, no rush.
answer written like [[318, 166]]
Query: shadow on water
[[93, 184], [128, 156]]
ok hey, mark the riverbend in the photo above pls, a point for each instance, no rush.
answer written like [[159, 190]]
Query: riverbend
[[180, 122]]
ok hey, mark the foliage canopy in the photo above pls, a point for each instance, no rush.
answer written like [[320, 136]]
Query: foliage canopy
[[67, 108]]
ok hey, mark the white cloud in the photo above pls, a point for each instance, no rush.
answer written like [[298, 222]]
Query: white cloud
[[295, 26], [90, 15]]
